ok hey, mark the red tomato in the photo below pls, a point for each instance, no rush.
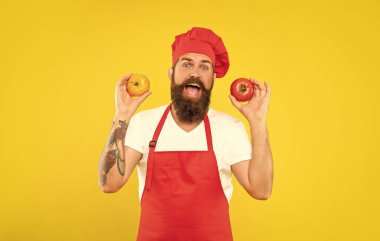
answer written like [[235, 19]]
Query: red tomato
[[242, 89]]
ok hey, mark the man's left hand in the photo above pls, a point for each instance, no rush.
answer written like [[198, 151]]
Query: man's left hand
[[257, 108]]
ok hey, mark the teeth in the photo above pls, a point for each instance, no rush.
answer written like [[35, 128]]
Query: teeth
[[195, 85]]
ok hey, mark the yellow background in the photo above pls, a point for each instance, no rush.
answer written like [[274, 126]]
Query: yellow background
[[60, 61]]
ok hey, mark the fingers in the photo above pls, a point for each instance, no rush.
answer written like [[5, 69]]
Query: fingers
[[260, 90], [256, 90], [268, 90], [121, 86], [124, 80], [235, 102], [257, 87], [257, 83], [143, 97]]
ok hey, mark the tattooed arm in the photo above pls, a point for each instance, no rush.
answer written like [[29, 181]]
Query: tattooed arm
[[114, 171], [113, 153], [117, 162]]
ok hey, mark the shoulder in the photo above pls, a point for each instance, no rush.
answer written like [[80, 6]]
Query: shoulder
[[148, 116], [146, 121]]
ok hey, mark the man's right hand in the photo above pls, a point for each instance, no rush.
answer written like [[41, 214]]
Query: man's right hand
[[124, 103]]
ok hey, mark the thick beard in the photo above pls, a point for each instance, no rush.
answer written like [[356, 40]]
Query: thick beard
[[186, 109]]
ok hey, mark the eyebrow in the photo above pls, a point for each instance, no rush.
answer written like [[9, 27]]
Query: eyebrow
[[203, 61]]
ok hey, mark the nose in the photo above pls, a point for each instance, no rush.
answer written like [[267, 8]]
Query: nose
[[195, 73]]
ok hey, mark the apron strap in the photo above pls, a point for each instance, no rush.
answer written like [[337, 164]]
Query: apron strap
[[152, 146], [208, 133], [153, 142]]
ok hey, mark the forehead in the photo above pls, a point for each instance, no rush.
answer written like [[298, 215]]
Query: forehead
[[195, 57]]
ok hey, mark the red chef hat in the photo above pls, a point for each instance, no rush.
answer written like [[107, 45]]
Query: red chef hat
[[202, 41]]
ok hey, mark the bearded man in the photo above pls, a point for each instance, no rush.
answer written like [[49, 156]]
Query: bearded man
[[186, 152]]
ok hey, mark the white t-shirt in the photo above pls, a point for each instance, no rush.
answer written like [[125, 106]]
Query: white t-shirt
[[229, 137]]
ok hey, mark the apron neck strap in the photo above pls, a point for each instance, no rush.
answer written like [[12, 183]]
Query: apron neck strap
[[208, 132], [157, 132]]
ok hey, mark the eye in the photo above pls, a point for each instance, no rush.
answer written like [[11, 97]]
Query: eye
[[204, 67], [186, 65]]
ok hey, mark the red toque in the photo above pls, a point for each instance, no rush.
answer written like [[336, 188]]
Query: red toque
[[202, 41]]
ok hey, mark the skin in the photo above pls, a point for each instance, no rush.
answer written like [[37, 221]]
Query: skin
[[254, 175], [196, 65]]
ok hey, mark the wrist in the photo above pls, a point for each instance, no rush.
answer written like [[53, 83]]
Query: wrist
[[122, 116], [255, 123], [120, 121]]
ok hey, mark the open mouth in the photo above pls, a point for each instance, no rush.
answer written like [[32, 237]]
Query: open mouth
[[192, 89], [194, 85]]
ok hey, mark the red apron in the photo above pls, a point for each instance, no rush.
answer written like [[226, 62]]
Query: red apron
[[183, 199]]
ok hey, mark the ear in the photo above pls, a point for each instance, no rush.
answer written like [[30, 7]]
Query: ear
[[170, 73], [214, 76]]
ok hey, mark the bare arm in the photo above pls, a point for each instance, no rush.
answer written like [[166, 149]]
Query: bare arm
[[114, 170], [256, 175], [117, 162]]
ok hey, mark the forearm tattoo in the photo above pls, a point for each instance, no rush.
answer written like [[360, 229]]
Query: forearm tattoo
[[115, 150]]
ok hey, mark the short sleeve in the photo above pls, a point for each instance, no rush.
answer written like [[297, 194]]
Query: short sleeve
[[134, 137], [239, 147]]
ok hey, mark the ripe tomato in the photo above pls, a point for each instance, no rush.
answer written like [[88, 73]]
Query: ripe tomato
[[138, 84], [242, 89]]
